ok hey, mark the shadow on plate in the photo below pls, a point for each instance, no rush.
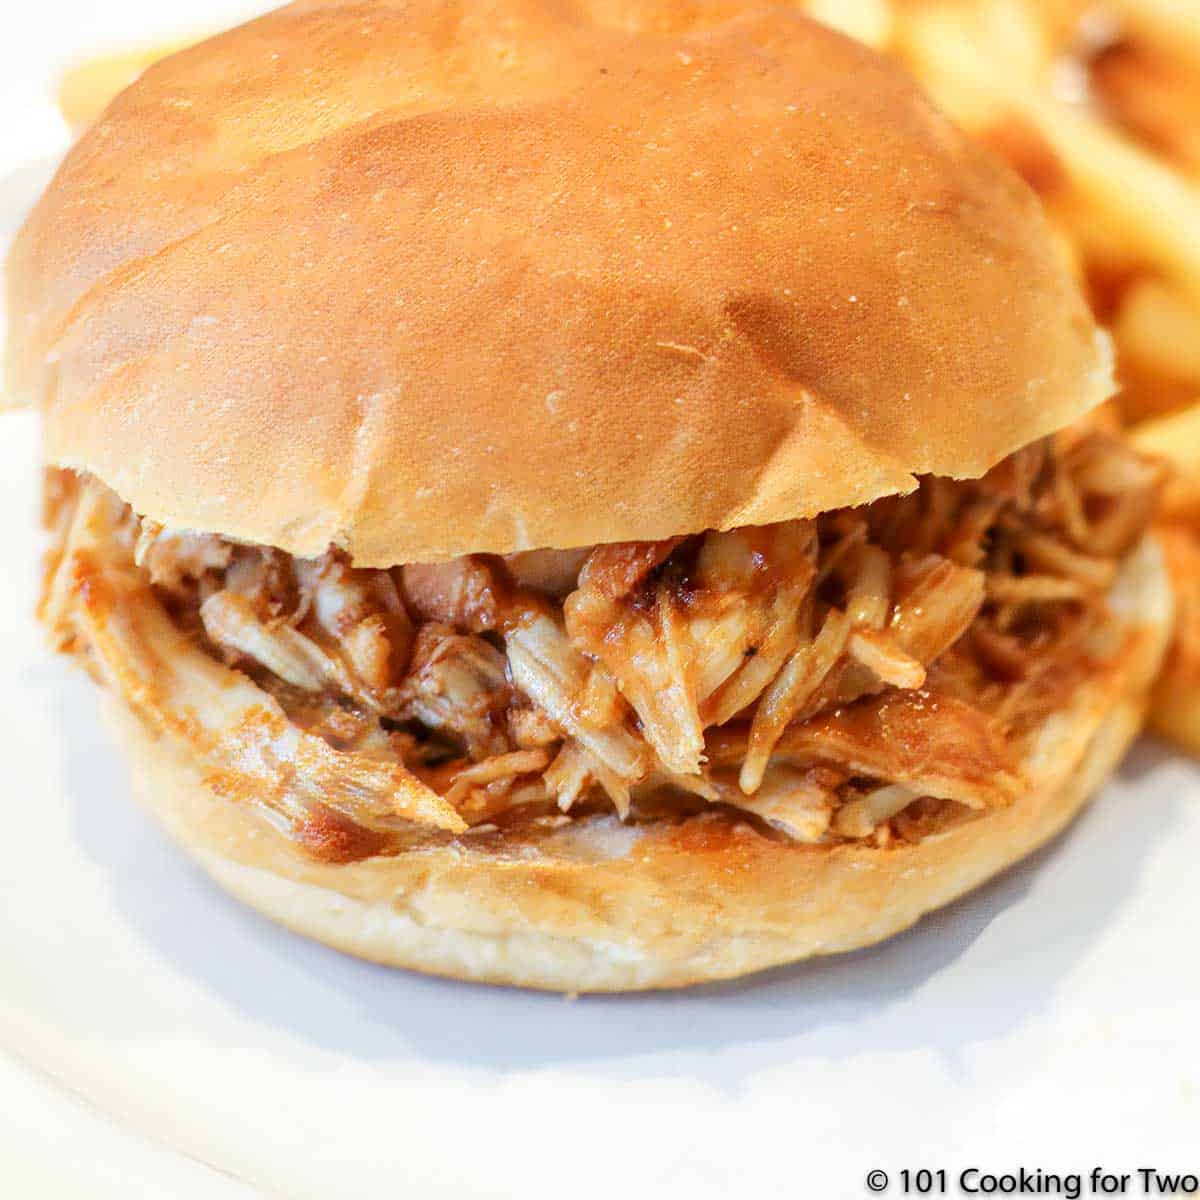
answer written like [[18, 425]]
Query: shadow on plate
[[934, 987]]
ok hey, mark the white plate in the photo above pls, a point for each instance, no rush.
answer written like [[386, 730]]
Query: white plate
[[160, 1040]]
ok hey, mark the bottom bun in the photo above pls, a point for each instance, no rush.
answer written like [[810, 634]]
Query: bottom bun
[[594, 905]]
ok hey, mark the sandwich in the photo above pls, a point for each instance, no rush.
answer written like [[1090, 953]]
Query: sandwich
[[590, 496]]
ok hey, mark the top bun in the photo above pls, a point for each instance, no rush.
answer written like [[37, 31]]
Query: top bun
[[420, 279]]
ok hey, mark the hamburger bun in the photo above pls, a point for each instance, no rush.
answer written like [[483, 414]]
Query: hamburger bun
[[424, 280], [420, 280]]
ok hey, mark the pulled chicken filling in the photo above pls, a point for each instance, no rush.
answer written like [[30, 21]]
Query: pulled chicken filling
[[856, 676]]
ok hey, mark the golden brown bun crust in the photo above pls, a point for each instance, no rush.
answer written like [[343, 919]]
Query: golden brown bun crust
[[421, 279], [602, 907]]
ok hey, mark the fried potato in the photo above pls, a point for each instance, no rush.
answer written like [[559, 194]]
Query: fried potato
[[1175, 708], [86, 89]]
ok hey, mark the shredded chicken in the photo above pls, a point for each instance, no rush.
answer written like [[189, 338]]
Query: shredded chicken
[[861, 816], [177, 561], [457, 687], [231, 622], [338, 803], [834, 679], [669, 651], [797, 801]]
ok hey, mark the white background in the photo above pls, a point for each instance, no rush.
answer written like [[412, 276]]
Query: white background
[[157, 1040]]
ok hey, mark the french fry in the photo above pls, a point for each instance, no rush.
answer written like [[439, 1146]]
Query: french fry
[[1173, 25], [1154, 96], [1176, 438], [870, 21], [1175, 706], [1155, 209], [944, 45], [1159, 327], [87, 89], [1135, 200]]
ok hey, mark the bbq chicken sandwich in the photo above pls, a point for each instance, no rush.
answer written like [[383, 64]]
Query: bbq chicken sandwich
[[590, 494]]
